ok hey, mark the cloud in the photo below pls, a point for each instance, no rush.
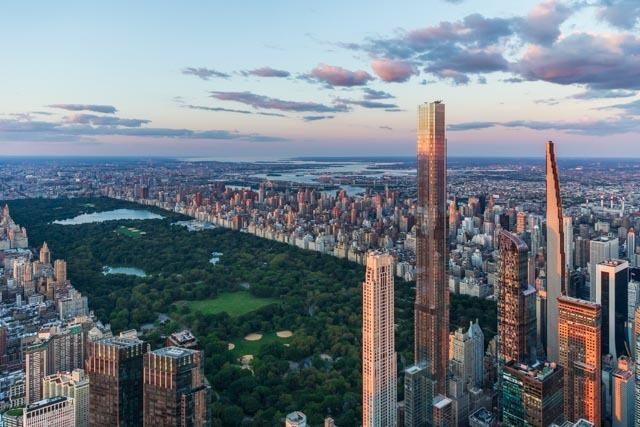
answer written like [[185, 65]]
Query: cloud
[[603, 93], [366, 103], [232, 110], [542, 24], [338, 76], [454, 127], [376, 94], [204, 73], [452, 50], [385, 127], [599, 61], [547, 101], [266, 72], [632, 108], [393, 70], [455, 62], [602, 127], [92, 119], [85, 107], [316, 118], [31, 130], [620, 13], [265, 102]]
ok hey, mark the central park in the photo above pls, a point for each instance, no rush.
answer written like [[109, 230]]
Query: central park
[[296, 313]]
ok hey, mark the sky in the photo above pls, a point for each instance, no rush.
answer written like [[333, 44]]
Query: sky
[[279, 79]]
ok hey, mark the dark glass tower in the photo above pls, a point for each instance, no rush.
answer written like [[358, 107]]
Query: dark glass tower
[[432, 291], [114, 367]]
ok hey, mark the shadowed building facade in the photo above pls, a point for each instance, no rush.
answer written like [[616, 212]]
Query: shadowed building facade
[[114, 367], [516, 301], [432, 291]]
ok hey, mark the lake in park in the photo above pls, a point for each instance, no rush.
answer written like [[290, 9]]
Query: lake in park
[[114, 215], [129, 271]]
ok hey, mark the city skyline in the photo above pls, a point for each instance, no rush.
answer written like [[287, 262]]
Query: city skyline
[[192, 81]]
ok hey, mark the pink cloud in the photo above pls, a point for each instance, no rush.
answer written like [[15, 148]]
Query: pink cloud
[[338, 76], [391, 70]]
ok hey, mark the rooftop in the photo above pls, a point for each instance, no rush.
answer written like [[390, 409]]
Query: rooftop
[[120, 342], [483, 415], [174, 352]]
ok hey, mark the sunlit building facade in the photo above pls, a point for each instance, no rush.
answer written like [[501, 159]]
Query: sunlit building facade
[[556, 261], [579, 339], [432, 291], [379, 393]]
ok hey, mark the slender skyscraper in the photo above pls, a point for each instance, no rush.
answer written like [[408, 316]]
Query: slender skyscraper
[[379, 393], [432, 291], [556, 263]]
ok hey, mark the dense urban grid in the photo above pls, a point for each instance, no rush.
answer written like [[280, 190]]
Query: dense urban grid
[[553, 244]]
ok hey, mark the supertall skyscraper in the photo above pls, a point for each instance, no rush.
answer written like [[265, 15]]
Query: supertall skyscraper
[[579, 331], [379, 368], [432, 291], [556, 263]]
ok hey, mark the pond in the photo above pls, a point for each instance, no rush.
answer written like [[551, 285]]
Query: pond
[[114, 215], [129, 271], [215, 257]]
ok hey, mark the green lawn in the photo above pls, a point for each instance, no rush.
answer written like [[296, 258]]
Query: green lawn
[[233, 303], [125, 231], [253, 347]]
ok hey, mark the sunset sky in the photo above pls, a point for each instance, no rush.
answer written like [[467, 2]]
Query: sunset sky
[[276, 79]]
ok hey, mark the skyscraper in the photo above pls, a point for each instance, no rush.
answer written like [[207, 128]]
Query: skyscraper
[[531, 396], [115, 367], [600, 249], [556, 263], [579, 341], [468, 354], [74, 385], [623, 404], [516, 301], [637, 375], [175, 391], [54, 412], [60, 270], [432, 291], [378, 344], [631, 246], [612, 283], [45, 255], [567, 229], [36, 366], [416, 395]]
